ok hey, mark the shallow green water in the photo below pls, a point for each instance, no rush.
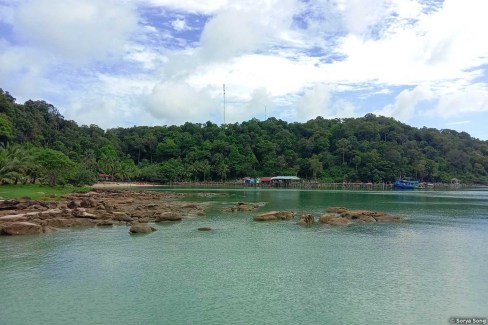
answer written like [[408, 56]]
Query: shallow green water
[[423, 271]]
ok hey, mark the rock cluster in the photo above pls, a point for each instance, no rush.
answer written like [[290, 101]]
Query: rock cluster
[[335, 216], [102, 208]]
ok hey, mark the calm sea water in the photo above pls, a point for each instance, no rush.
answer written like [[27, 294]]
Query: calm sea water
[[430, 267]]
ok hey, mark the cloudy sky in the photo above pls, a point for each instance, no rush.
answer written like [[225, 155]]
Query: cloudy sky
[[163, 62]]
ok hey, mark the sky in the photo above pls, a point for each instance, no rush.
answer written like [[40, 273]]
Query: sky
[[122, 63]]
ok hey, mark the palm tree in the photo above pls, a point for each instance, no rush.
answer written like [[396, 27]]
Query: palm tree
[[15, 164]]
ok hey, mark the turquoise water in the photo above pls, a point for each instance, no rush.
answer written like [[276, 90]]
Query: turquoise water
[[430, 267]]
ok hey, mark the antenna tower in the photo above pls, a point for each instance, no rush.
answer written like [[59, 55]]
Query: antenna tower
[[224, 101]]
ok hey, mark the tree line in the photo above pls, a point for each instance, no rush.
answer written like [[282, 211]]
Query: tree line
[[39, 145]]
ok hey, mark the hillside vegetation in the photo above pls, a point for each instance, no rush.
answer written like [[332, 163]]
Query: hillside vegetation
[[39, 145]]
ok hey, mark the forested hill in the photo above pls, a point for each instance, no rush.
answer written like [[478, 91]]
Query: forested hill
[[370, 148]]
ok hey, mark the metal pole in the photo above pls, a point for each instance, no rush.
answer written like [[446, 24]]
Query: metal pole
[[224, 103]]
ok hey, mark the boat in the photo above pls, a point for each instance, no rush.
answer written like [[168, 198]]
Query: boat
[[406, 184]]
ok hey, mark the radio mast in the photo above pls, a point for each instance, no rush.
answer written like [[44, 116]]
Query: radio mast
[[223, 88]]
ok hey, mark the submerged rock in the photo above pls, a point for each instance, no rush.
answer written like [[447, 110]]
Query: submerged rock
[[204, 229], [241, 206]]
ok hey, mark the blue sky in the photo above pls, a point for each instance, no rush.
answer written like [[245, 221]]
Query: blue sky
[[163, 62]]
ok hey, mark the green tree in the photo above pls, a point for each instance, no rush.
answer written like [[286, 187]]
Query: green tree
[[315, 166], [15, 163], [6, 130], [55, 165], [344, 145]]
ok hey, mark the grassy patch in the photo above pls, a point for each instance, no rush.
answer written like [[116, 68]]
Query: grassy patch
[[38, 192]]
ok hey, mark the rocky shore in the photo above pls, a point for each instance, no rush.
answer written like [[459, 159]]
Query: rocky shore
[[98, 208], [136, 209]]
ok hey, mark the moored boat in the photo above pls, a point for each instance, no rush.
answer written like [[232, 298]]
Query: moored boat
[[406, 184]]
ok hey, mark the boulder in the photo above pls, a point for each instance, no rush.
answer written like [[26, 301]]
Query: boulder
[[88, 203], [151, 206], [274, 215], [355, 214], [59, 223], [368, 216], [52, 213], [306, 220], [141, 228], [49, 230], [78, 212], [13, 218], [83, 222], [121, 216], [168, 216], [88, 215], [105, 223], [367, 219], [74, 204], [333, 220], [21, 228], [142, 214], [338, 210], [8, 204]]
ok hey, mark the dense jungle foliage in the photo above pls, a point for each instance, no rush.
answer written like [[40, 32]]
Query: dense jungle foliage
[[39, 145]]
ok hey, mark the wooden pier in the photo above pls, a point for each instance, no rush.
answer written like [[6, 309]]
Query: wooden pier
[[307, 185]]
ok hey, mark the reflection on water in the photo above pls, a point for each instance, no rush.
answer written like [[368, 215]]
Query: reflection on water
[[424, 270]]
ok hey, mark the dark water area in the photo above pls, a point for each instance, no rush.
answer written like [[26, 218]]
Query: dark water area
[[424, 270]]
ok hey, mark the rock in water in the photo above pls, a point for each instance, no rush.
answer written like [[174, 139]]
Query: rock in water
[[168, 216], [141, 228], [204, 229], [21, 228], [306, 219], [274, 215], [333, 220]]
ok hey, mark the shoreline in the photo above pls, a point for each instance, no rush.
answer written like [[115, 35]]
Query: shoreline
[[99, 207], [122, 185]]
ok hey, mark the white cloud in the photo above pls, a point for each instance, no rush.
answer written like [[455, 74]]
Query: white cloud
[[242, 29], [314, 103], [193, 6], [318, 101], [260, 100], [177, 102], [406, 102], [179, 24], [473, 98], [360, 15], [459, 123], [75, 30], [23, 71], [7, 12]]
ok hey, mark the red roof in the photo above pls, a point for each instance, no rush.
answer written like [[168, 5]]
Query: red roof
[[265, 179]]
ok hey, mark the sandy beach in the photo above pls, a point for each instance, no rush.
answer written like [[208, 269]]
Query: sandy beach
[[122, 185]]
